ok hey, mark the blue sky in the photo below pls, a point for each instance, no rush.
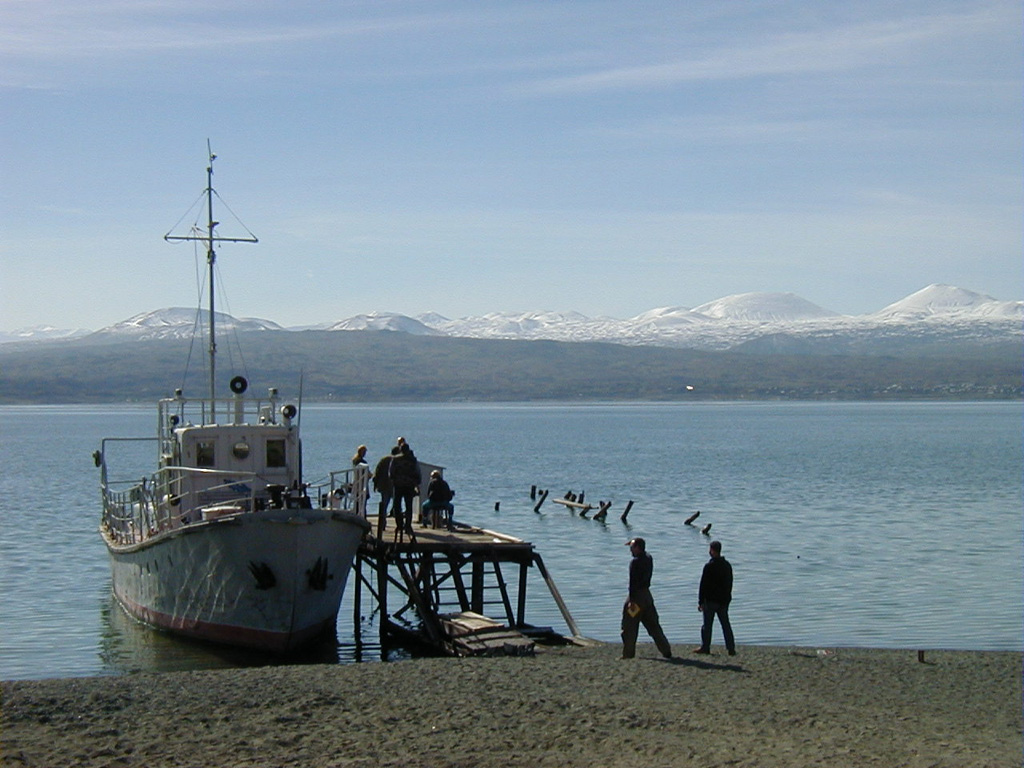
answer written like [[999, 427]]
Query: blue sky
[[467, 157]]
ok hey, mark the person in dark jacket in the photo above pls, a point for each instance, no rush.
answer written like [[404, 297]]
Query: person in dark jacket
[[405, 481], [439, 498], [382, 485], [713, 599], [639, 608]]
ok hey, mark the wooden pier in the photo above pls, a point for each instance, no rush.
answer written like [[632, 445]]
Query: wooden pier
[[459, 590]]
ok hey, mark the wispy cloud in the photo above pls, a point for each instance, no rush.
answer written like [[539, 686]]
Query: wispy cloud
[[819, 51], [69, 29], [49, 42]]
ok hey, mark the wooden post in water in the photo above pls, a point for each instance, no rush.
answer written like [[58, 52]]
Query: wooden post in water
[[625, 514], [382, 596], [357, 597], [543, 495], [521, 597], [476, 600]]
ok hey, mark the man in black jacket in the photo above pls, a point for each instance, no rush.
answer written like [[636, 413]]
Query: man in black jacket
[[382, 484], [713, 599], [639, 607], [404, 472]]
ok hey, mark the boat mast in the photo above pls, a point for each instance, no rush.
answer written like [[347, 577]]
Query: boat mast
[[211, 259]]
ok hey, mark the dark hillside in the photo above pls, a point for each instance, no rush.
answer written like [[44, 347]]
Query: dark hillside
[[374, 366]]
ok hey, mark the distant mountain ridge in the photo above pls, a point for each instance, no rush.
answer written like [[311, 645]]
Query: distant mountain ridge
[[763, 322], [939, 343]]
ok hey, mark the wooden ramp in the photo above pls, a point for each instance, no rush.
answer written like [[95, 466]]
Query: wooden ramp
[[461, 591], [471, 634]]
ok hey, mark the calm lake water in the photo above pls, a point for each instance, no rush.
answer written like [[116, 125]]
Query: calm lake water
[[853, 524]]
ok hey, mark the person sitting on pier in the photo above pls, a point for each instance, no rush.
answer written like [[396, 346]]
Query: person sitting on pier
[[439, 499], [405, 480]]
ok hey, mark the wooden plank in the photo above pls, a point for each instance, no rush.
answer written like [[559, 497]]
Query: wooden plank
[[473, 634], [574, 504]]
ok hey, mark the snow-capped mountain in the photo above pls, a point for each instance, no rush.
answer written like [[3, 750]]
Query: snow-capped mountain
[[383, 321], [789, 323], [179, 323], [947, 301], [754, 322], [563, 326], [763, 308], [42, 333]]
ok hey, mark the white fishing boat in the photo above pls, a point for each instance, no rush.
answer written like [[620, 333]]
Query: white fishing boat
[[224, 541]]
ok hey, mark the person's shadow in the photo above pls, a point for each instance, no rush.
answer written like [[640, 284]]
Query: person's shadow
[[682, 661]]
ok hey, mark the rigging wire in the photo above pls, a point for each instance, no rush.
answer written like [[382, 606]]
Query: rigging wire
[[197, 324], [234, 342], [194, 207], [234, 215]]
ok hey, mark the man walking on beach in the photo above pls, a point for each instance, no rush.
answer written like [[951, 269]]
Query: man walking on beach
[[713, 599], [639, 607]]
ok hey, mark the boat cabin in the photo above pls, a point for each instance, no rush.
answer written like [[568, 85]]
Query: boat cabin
[[245, 457]]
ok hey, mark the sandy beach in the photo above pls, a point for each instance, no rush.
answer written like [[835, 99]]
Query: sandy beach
[[563, 707]]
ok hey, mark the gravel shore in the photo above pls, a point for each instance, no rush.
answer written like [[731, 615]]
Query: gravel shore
[[563, 707]]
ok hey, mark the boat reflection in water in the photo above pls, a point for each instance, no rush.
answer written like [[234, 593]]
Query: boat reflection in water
[[127, 646]]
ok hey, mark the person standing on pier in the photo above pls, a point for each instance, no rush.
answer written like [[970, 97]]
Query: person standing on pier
[[382, 485], [360, 456], [639, 608], [713, 599], [405, 480]]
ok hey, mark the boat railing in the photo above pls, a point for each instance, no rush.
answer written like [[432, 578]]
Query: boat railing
[[130, 511], [133, 511], [347, 490], [350, 489], [179, 411]]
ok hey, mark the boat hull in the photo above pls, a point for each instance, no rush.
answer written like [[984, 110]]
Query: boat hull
[[270, 580]]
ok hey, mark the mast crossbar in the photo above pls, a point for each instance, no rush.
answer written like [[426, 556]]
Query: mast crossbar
[[205, 239]]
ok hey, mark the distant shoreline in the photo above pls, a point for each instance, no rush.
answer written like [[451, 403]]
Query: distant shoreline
[[140, 402], [768, 706]]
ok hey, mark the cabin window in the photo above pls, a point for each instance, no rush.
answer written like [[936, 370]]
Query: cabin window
[[240, 450], [276, 453], [206, 453]]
